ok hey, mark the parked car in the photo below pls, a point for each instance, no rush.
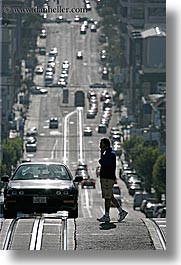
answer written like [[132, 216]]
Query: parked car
[[33, 131], [151, 209], [43, 34], [31, 144], [91, 114], [133, 188], [117, 193], [138, 198], [39, 69], [41, 188], [161, 213], [145, 202]]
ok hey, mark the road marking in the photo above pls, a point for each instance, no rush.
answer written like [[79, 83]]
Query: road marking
[[53, 150]]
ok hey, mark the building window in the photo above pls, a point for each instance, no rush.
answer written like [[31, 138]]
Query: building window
[[137, 13], [157, 12]]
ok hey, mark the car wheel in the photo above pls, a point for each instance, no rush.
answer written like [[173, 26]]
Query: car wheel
[[73, 213]]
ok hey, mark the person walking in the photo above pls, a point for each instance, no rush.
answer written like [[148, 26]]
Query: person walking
[[107, 180]]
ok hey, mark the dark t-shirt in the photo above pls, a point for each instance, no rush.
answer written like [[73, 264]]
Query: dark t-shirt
[[108, 165]]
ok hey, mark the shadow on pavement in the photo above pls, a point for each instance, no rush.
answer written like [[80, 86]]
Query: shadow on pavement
[[107, 226]]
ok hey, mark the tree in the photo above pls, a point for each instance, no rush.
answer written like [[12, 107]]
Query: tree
[[144, 164], [12, 152], [159, 175]]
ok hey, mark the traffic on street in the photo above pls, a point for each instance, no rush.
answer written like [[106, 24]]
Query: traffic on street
[[53, 198]]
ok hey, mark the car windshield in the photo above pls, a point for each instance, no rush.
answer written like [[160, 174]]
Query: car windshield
[[42, 171]]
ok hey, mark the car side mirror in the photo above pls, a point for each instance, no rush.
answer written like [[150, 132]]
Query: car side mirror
[[5, 178], [78, 179]]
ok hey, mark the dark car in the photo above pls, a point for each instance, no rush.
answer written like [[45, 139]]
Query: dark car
[[97, 85], [53, 123], [102, 128], [133, 188], [88, 183], [41, 188]]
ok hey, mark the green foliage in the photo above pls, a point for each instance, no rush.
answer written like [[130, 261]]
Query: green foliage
[[147, 163], [159, 174], [144, 163], [12, 152], [3, 169]]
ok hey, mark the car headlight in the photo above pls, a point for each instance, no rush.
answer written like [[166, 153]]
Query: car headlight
[[65, 192], [21, 192], [12, 192], [58, 192], [149, 205]]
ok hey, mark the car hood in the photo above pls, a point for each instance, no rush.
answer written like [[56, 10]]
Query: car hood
[[40, 184]]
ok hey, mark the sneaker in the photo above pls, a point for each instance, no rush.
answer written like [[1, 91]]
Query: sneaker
[[122, 215], [104, 219]]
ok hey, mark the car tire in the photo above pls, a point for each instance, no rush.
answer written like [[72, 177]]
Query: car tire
[[73, 213]]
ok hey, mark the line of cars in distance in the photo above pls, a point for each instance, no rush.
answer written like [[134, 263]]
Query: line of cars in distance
[[31, 140], [82, 171], [145, 202]]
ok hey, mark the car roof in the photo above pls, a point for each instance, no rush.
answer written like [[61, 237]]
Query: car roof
[[42, 163]]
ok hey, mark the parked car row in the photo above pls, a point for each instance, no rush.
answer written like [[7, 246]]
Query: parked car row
[[132, 180], [31, 140], [93, 104], [115, 138], [50, 68], [106, 112], [145, 202], [87, 181]]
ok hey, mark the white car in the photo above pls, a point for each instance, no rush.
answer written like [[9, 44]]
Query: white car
[[79, 55], [39, 69], [53, 52], [87, 131], [43, 34]]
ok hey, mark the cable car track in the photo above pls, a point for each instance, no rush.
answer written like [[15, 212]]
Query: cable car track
[[160, 233], [36, 234]]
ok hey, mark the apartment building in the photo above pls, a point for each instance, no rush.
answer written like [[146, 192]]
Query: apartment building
[[10, 45]]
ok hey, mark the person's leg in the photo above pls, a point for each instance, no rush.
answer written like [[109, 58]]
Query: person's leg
[[115, 202], [107, 206]]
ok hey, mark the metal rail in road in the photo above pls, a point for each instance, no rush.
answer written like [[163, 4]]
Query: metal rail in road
[[36, 236], [160, 232], [157, 230]]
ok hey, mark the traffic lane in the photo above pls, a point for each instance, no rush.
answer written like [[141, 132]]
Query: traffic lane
[[91, 204]]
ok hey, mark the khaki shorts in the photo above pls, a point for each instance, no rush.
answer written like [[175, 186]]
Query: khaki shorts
[[106, 187]]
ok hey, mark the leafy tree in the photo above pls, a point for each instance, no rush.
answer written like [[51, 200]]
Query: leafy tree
[[144, 164], [12, 152], [2, 169], [132, 147], [159, 175]]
